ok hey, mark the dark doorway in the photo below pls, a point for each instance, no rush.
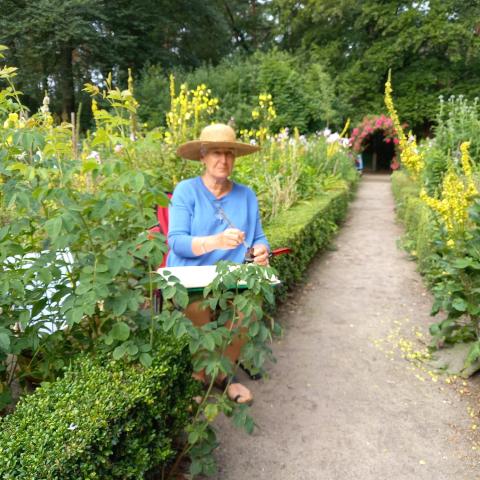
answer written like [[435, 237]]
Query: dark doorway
[[378, 154]]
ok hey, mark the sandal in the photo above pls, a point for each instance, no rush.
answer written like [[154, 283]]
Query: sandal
[[224, 383]]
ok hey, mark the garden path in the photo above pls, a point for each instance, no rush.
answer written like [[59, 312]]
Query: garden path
[[341, 403]]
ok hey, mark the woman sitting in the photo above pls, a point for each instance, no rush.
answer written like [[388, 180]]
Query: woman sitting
[[212, 218]]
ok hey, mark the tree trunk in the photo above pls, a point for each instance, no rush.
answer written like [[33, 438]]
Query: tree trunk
[[66, 84]]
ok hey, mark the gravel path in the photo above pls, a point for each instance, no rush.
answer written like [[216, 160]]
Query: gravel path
[[341, 402]]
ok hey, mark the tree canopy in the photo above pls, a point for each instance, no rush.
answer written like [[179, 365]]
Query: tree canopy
[[432, 46], [60, 44]]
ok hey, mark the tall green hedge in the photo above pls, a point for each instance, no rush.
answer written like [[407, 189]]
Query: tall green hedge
[[102, 420], [306, 228]]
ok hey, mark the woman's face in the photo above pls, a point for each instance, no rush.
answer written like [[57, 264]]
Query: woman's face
[[219, 162]]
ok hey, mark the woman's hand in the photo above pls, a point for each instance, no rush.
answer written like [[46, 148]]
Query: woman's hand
[[230, 238], [260, 254]]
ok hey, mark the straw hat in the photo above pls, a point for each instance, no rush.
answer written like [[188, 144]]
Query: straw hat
[[218, 135]]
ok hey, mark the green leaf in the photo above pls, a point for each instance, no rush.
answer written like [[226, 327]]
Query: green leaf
[[120, 331], [24, 316], [120, 351], [459, 304], [119, 305], [254, 329], [114, 265], [473, 354], [209, 342], [132, 349], [168, 292], [5, 342], [146, 359], [181, 297], [4, 232], [462, 262], [74, 315], [193, 437], [145, 348], [179, 329], [195, 467], [138, 182], [211, 411], [53, 227]]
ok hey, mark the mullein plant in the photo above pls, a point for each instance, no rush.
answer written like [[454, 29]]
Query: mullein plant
[[410, 155], [190, 111], [458, 192]]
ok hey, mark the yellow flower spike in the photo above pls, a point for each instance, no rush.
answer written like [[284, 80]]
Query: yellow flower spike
[[345, 128], [410, 157]]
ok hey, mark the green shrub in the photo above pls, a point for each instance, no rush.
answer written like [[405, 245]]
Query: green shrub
[[103, 419], [403, 188], [303, 92], [421, 229], [306, 228]]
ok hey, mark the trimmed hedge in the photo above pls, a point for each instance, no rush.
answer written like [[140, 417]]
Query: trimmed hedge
[[306, 228], [103, 419]]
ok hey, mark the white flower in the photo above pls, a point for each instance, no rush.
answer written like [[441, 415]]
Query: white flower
[[327, 132], [21, 156], [94, 155], [72, 426], [332, 138], [253, 141], [118, 148]]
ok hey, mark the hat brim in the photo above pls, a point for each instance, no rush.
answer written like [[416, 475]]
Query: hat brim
[[191, 150]]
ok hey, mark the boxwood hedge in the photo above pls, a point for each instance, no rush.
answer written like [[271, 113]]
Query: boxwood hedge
[[306, 228], [103, 419]]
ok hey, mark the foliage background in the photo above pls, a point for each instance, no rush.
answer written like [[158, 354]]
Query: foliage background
[[325, 57]]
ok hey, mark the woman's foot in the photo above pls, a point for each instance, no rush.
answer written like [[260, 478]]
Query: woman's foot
[[235, 390], [239, 393]]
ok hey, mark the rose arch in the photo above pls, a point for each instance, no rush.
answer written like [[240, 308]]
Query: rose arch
[[375, 139]]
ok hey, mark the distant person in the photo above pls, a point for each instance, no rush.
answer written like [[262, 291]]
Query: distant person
[[359, 163]]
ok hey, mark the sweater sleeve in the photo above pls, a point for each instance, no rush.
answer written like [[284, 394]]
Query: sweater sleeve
[[180, 220], [259, 237]]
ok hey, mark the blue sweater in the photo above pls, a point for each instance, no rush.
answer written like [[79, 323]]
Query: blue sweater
[[195, 212]]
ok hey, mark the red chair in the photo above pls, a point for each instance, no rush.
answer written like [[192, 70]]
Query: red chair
[[162, 226]]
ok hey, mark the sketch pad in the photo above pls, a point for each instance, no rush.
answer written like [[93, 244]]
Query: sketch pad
[[199, 277]]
